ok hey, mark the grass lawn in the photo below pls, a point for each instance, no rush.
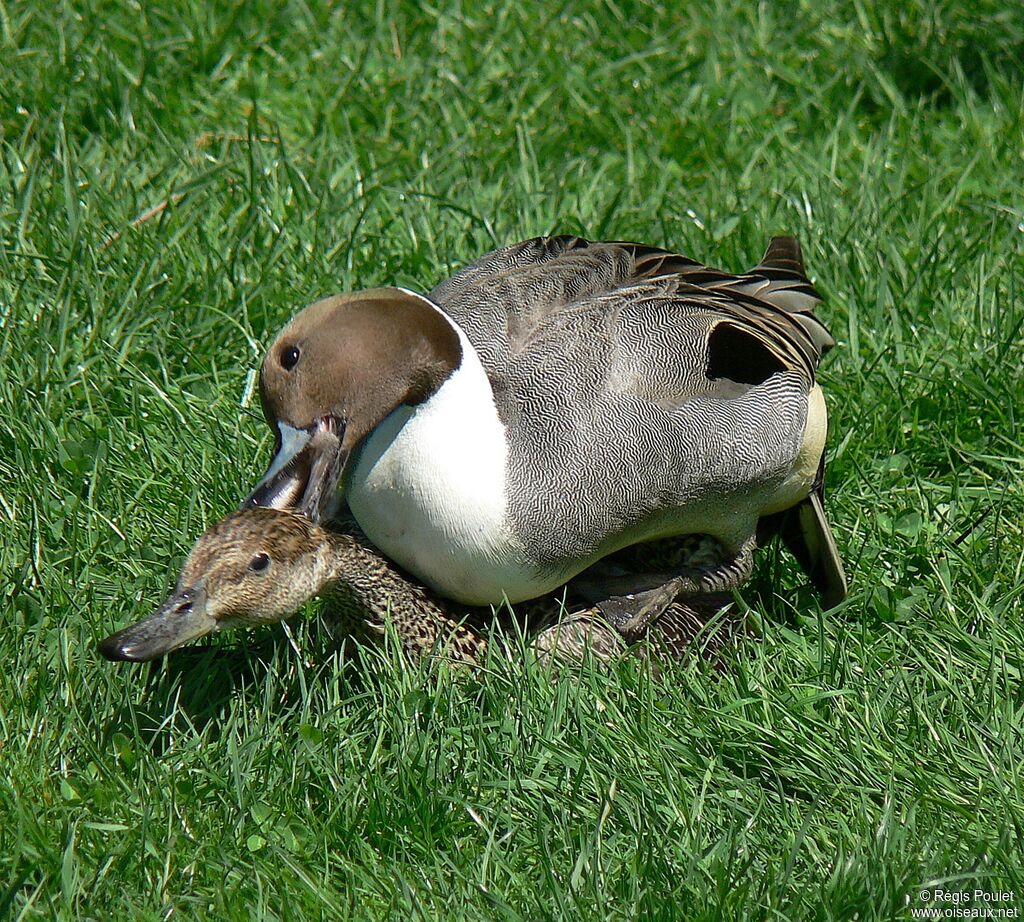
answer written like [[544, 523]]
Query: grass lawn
[[176, 179]]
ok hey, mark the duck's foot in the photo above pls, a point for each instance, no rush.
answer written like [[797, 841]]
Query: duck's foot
[[632, 613]]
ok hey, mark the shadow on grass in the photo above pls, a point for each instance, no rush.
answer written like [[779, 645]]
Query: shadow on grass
[[192, 689]]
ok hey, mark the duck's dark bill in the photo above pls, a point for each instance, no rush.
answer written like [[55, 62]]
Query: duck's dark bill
[[305, 473], [181, 619]]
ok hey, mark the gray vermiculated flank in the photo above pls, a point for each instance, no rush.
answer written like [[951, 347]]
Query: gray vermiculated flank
[[599, 357]]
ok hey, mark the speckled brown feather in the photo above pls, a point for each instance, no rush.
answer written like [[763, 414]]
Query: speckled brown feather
[[244, 534], [365, 593]]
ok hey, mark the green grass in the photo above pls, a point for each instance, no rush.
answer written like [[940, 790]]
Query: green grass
[[836, 767]]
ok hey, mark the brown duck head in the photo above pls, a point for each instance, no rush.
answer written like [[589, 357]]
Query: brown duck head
[[334, 373]]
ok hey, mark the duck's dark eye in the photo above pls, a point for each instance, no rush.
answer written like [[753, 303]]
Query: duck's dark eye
[[259, 563], [289, 358]]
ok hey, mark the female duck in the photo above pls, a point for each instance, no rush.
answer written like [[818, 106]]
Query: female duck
[[259, 566]]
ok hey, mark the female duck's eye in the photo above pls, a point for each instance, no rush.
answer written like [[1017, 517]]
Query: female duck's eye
[[289, 358], [259, 563]]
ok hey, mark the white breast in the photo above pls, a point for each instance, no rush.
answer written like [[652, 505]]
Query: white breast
[[429, 490]]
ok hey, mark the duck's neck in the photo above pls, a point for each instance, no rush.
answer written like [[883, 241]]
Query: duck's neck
[[372, 581], [367, 591]]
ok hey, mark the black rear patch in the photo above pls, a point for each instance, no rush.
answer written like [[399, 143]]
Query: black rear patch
[[738, 356]]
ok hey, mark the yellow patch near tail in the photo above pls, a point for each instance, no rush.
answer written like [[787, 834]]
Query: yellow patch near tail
[[805, 468]]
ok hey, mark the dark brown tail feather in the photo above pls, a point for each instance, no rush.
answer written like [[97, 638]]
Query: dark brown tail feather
[[807, 534]]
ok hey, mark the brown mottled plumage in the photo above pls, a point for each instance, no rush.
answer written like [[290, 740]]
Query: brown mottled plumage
[[261, 565]]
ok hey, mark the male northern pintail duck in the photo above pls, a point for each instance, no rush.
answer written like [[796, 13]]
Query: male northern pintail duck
[[553, 402], [258, 566]]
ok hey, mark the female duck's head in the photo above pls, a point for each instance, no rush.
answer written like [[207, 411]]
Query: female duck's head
[[253, 567]]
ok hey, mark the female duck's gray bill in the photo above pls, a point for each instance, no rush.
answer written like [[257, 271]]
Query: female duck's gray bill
[[182, 618], [306, 470]]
